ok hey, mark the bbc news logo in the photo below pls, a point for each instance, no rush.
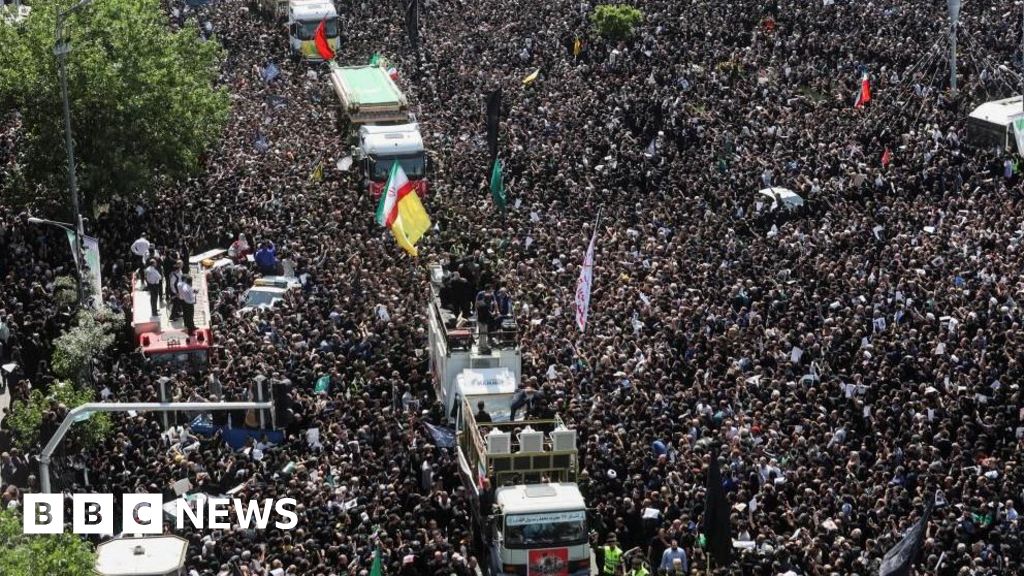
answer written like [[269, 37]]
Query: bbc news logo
[[143, 514]]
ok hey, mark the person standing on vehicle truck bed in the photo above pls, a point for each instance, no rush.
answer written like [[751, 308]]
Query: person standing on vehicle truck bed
[[153, 277], [188, 303]]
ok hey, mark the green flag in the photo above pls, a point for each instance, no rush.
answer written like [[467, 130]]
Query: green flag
[[375, 570], [323, 384], [498, 185], [375, 59]]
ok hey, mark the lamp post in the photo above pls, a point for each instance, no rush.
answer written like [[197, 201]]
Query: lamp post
[[60, 49], [76, 251]]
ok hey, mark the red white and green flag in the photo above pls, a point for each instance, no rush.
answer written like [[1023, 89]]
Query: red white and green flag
[[400, 210], [397, 180]]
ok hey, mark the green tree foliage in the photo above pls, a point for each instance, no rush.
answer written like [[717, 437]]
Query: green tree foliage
[[65, 291], [616, 21], [75, 348], [36, 555], [26, 417], [143, 103]]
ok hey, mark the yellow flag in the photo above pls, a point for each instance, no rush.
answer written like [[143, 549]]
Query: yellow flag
[[577, 47], [317, 174], [411, 222], [533, 76]]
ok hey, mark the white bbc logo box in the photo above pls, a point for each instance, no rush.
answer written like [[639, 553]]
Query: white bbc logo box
[[92, 514], [143, 514]]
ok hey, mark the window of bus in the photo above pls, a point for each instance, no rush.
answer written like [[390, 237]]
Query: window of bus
[[545, 529], [307, 29], [413, 166]]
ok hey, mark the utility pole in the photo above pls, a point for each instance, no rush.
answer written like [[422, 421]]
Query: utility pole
[[60, 49]]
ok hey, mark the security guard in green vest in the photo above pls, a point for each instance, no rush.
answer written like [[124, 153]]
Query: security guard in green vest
[[638, 567], [612, 554]]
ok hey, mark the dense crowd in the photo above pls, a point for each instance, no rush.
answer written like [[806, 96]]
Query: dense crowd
[[846, 360]]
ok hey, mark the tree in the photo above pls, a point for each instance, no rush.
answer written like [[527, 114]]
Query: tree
[[616, 21], [32, 555], [26, 417], [143, 102], [90, 336]]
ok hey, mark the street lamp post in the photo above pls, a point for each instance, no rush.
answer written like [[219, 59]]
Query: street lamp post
[[60, 49]]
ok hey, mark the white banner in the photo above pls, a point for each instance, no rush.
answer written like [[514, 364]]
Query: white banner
[[545, 518], [584, 283]]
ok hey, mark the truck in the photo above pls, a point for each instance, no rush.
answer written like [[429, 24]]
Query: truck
[[529, 517], [164, 341], [375, 114], [302, 17]]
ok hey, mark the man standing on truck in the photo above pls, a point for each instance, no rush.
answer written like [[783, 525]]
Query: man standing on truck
[[153, 277], [141, 249], [188, 303], [174, 278]]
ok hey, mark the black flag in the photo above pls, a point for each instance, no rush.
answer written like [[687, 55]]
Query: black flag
[[900, 558], [716, 517], [412, 23], [493, 119]]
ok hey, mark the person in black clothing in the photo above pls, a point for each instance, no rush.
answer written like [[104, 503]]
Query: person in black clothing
[[481, 414], [462, 295]]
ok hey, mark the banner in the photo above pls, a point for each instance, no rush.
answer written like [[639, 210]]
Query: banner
[[548, 562], [584, 283], [93, 273], [443, 437], [412, 23], [1018, 133], [899, 560], [717, 532], [90, 265], [493, 121]]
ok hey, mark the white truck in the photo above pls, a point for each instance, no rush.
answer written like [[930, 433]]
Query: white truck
[[302, 18], [529, 517], [376, 111]]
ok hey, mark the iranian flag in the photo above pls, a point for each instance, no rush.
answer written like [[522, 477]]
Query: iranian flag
[[397, 181], [400, 210]]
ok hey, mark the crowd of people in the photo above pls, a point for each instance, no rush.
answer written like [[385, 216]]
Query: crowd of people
[[848, 360]]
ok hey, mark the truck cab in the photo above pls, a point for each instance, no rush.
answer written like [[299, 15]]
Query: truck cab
[[304, 16], [380, 146]]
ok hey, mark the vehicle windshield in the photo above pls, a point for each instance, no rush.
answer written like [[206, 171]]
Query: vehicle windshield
[[413, 166], [256, 298], [546, 529], [307, 29], [181, 359]]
